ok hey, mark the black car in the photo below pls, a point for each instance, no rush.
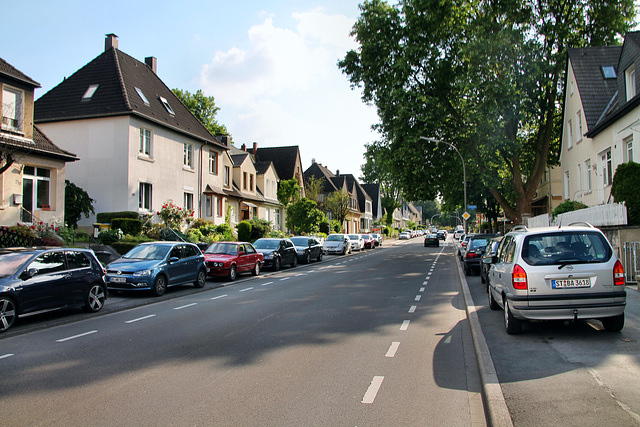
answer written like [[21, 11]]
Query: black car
[[308, 248], [277, 252], [489, 252], [473, 252], [39, 280], [441, 235], [431, 240]]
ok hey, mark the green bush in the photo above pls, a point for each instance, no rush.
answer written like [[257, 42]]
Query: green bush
[[244, 231], [107, 217], [324, 227], [259, 228], [624, 189], [568, 206], [108, 237], [336, 226], [123, 247], [127, 225]]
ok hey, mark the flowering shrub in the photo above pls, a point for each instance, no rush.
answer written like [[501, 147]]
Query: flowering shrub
[[174, 216]]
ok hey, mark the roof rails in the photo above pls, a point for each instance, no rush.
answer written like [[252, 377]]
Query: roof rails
[[519, 228], [586, 224]]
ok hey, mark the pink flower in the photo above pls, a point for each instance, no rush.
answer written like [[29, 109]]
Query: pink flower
[[33, 227]]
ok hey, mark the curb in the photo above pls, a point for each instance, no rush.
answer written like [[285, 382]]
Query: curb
[[496, 407]]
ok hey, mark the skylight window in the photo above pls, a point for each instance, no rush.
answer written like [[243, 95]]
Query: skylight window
[[167, 106], [144, 98], [89, 93], [609, 72]]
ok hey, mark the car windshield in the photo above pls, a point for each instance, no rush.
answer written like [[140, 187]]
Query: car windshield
[[222, 248], [478, 243], [335, 237], [148, 252], [354, 237], [11, 263], [366, 236], [563, 248], [300, 241], [266, 244]]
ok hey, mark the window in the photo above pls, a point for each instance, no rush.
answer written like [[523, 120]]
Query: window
[[578, 178], [219, 207], [609, 72], [227, 173], [213, 162], [569, 135], [188, 155], [578, 126], [630, 82], [266, 188], [49, 262], [76, 259], [188, 201], [167, 106], [566, 186], [208, 205], [36, 184], [607, 173], [145, 142], [141, 95], [587, 176], [628, 146], [244, 180], [276, 219], [12, 108], [251, 182], [89, 93], [144, 196]]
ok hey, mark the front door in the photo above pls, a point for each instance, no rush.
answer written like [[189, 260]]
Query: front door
[[27, 200]]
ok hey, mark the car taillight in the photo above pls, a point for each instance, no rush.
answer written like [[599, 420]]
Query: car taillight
[[618, 274], [519, 278], [464, 244], [472, 255]]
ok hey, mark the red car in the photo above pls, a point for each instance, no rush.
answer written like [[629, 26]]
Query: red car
[[369, 241], [228, 259]]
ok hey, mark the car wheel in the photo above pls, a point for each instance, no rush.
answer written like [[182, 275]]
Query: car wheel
[[320, 256], [276, 264], [511, 324], [294, 263], [307, 258], [233, 273], [493, 304], [613, 324], [95, 299], [256, 269], [159, 286], [201, 280], [7, 313]]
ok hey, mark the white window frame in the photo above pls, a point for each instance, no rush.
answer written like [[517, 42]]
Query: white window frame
[[145, 196], [13, 114], [213, 163], [606, 163], [628, 149], [146, 138], [567, 187], [167, 106], [588, 184], [630, 81], [578, 180], [208, 205], [227, 176], [578, 127], [89, 92], [569, 135], [188, 201], [187, 155]]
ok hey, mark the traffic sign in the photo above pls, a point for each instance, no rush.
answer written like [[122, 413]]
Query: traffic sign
[[472, 207], [466, 216]]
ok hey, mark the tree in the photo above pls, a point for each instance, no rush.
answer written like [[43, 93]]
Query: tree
[[338, 204], [76, 203], [313, 187], [484, 76], [625, 190], [378, 169], [303, 216], [204, 108], [288, 192]]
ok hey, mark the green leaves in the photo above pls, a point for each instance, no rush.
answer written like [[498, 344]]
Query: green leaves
[[204, 108]]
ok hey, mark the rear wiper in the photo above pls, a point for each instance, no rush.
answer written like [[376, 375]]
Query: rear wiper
[[567, 261]]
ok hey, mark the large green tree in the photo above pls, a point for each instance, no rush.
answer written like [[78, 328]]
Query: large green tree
[[76, 204], [204, 108], [338, 204], [483, 75], [303, 216]]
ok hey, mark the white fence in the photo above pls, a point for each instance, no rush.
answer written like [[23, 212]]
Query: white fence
[[598, 216]]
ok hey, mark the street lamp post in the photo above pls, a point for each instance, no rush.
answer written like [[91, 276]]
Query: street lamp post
[[464, 172]]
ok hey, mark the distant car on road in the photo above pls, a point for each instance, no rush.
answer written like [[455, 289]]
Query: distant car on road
[[378, 238], [307, 248], [40, 280], [337, 244], [228, 259], [369, 241], [357, 242], [405, 235], [431, 240]]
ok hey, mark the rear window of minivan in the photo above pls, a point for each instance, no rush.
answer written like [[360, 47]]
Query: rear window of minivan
[[579, 247]]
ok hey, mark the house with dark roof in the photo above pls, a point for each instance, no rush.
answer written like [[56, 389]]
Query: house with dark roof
[[286, 160], [373, 190], [600, 119], [32, 167], [139, 145]]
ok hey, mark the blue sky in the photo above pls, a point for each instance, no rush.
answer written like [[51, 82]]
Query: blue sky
[[271, 65]]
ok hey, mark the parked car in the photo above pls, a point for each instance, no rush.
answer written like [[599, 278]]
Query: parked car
[[369, 241], [378, 238], [307, 248], [357, 242], [458, 233], [463, 245], [405, 235], [473, 252], [564, 273], [155, 266], [228, 259], [337, 244], [489, 252], [277, 252], [431, 240], [441, 234], [39, 280]]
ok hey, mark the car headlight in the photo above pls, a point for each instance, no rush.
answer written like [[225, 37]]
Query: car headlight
[[142, 273], [268, 255]]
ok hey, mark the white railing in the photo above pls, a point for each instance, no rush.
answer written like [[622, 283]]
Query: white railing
[[598, 216], [631, 261]]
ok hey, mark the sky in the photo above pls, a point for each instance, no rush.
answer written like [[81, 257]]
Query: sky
[[270, 64]]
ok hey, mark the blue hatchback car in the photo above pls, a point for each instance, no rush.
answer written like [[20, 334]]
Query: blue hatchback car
[[155, 266]]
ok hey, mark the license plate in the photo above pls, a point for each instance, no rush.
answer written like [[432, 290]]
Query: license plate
[[118, 280], [571, 283]]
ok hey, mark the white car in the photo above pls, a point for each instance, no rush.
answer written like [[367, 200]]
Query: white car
[[357, 242], [404, 235], [337, 244]]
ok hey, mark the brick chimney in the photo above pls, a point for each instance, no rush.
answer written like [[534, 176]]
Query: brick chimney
[[243, 147], [255, 148], [152, 63], [110, 42]]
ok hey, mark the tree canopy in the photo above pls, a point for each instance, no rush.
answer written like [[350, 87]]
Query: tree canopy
[[485, 76], [204, 108], [76, 204]]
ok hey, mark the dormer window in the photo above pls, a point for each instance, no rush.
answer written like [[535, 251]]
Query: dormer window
[[609, 72], [141, 95], [89, 93], [167, 106], [12, 108], [630, 82]]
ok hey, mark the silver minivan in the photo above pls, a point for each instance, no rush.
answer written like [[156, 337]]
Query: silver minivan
[[561, 273]]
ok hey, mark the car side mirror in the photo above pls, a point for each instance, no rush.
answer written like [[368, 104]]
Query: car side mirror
[[241, 253], [173, 259], [28, 274]]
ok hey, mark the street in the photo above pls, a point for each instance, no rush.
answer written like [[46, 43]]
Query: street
[[376, 338]]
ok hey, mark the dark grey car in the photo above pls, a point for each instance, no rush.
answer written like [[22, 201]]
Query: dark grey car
[[308, 248], [277, 252]]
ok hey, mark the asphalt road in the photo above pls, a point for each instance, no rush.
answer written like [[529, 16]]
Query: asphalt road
[[375, 338]]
